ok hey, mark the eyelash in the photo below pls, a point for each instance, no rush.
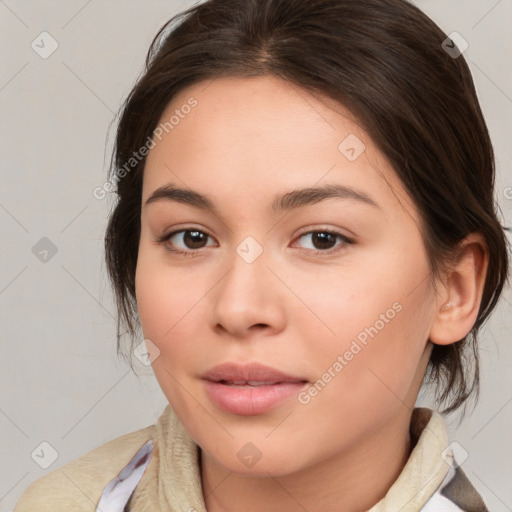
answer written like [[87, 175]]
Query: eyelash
[[191, 253]]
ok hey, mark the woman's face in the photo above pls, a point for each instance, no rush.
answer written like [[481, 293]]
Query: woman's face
[[342, 319]]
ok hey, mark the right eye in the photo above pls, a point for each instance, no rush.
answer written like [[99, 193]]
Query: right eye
[[190, 239]]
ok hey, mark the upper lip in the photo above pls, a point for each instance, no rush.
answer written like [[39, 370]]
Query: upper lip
[[253, 372]]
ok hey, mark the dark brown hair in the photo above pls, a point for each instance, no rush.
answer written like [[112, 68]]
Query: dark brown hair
[[381, 59]]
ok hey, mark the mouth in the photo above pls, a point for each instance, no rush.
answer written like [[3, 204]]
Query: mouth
[[253, 374], [250, 389], [251, 383]]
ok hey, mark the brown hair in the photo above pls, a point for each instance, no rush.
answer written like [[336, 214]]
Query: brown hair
[[381, 59]]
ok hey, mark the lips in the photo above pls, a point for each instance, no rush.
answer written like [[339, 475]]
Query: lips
[[249, 389], [252, 383], [253, 374]]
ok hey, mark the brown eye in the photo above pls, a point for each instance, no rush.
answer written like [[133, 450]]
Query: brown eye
[[185, 241], [325, 241], [194, 239]]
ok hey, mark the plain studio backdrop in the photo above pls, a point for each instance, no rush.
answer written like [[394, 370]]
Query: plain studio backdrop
[[66, 66]]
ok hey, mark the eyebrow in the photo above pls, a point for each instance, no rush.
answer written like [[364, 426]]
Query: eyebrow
[[288, 201]]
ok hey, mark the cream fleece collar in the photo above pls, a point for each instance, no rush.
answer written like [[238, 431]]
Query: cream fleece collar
[[172, 483]]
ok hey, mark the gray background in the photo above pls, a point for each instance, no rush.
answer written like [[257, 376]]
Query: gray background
[[60, 378]]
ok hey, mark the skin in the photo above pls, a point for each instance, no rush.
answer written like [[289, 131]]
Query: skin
[[245, 142]]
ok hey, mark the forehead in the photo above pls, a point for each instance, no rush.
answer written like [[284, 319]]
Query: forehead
[[257, 136]]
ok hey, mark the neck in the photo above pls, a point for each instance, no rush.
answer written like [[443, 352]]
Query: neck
[[352, 481]]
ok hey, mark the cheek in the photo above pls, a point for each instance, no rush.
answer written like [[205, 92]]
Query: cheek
[[378, 330], [152, 300], [167, 309], [345, 305], [361, 384], [166, 302]]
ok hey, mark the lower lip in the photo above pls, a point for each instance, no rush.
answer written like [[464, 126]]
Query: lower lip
[[248, 401]]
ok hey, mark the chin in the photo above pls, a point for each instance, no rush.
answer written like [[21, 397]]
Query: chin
[[251, 461]]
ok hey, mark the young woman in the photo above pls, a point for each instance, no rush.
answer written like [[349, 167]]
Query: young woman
[[305, 232]]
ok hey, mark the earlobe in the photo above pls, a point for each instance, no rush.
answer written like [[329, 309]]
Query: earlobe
[[457, 307]]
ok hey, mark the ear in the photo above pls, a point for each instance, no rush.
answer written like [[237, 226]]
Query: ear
[[458, 304]]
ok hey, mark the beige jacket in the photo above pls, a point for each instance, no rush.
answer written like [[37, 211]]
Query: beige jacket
[[429, 482]]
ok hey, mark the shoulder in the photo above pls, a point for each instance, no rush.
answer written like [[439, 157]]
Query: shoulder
[[78, 485]]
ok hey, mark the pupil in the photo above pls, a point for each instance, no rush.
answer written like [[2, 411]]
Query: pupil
[[193, 238], [324, 238]]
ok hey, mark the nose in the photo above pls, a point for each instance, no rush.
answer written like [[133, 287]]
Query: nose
[[249, 299]]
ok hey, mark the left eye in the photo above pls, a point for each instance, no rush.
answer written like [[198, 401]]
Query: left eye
[[324, 241]]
